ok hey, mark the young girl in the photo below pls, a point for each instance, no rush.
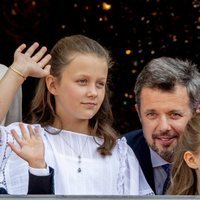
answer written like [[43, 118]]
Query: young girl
[[185, 171], [71, 113]]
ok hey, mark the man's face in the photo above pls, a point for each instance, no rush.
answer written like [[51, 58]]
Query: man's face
[[164, 116]]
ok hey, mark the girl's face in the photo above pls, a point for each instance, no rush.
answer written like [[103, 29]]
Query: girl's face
[[81, 90]]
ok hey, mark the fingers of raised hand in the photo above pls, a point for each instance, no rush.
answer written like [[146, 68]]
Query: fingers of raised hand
[[38, 137], [40, 53], [20, 48], [43, 62], [17, 138], [31, 132], [34, 133], [16, 149], [33, 61], [44, 67], [36, 56], [37, 134], [28, 136], [25, 135], [31, 49], [46, 70]]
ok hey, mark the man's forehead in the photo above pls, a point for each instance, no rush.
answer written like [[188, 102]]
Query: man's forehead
[[170, 101]]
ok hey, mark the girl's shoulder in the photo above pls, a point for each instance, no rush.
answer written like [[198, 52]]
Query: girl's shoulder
[[122, 145], [15, 126], [125, 150]]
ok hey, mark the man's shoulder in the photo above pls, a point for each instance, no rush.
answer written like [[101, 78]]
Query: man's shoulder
[[135, 139], [134, 135]]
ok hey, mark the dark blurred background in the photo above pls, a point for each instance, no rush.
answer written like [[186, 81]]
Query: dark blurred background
[[135, 31]]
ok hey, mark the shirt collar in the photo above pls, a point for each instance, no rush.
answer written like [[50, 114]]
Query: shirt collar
[[156, 160]]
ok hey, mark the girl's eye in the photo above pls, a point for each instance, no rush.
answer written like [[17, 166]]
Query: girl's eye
[[82, 81], [100, 84]]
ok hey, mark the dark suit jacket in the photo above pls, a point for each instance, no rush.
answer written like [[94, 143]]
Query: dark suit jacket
[[38, 184], [41, 184], [137, 142]]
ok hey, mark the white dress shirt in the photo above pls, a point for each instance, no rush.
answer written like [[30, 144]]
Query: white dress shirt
[[117, 174]]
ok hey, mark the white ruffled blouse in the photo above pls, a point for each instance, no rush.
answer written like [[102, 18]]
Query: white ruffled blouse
[[118, 174]]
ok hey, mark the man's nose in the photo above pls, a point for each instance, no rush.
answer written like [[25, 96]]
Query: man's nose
[[164, 124]]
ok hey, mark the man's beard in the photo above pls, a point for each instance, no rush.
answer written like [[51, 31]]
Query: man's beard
[[166, 154]]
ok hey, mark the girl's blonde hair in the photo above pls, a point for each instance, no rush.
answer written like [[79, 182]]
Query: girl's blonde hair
[[184, 178]]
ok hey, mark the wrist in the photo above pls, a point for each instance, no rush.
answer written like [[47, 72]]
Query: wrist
[[18, 71], [38, 164]]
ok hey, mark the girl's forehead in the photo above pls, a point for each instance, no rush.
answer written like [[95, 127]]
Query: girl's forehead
[[79, 55], [87, 60], [88, 65]]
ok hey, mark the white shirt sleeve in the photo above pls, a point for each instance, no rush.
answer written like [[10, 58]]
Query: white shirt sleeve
[[39, 172]]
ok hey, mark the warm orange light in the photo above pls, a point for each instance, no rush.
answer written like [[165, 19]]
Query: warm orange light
[[106, 6], [128, 51], [126, 94]]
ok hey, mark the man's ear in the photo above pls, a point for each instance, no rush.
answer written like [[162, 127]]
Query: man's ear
[[191, 160], [138, 111], [198, 109], [51, 84]]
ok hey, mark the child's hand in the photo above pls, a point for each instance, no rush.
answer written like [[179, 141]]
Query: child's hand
[[31, 62], [31, 147]]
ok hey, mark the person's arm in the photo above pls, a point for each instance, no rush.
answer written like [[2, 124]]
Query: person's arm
[[28, 63], [41, 184], [38, 184], [3, 191]]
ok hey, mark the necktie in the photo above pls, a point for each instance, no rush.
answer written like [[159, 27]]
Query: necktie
[[166, 167]]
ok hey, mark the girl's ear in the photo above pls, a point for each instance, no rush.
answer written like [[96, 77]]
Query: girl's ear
[[191, 160], [198, 109], [51, 84]]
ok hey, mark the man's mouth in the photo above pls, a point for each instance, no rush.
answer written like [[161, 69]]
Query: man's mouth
[[165, 140]]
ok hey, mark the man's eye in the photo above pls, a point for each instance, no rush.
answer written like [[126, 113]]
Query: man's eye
[[176, 115], [151, 115]]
